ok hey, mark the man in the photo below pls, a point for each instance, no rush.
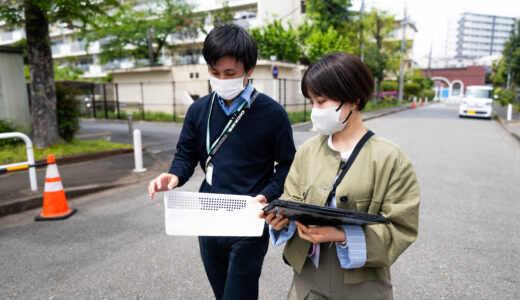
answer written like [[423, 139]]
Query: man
[[243, 164]]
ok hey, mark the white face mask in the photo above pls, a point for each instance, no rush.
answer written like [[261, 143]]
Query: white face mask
[[326, 121], [228, 89]]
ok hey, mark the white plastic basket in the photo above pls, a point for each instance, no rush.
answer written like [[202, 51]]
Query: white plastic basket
[[204, 214]]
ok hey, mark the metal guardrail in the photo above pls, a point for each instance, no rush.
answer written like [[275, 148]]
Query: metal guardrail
[[29, 164]]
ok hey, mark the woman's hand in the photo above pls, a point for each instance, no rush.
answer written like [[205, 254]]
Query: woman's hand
[[321, 234], [277, 223]]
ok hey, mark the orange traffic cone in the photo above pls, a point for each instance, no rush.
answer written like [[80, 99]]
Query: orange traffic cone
[[55, 205], [420, 102], [413, 104]]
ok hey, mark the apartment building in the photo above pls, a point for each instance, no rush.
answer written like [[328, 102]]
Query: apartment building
[[477, 35], [247, 13]]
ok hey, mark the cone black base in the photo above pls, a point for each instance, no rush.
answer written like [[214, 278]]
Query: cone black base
[[62, 217]]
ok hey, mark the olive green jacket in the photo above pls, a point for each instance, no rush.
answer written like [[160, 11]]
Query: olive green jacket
[[380, 181]]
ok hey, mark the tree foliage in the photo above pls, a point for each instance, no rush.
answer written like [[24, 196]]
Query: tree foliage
[[124, 34], [223, 16], [274, 39], [320, 43], [35, 16], [511, 54], [378, 54]]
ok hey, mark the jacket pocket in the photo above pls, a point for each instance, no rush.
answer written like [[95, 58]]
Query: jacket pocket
[[362, 205], [316, 195]]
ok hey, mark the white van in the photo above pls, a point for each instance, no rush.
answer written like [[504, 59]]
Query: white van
[[477, 102]]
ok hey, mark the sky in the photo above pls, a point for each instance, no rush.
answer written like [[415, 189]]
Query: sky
[[431, 18]]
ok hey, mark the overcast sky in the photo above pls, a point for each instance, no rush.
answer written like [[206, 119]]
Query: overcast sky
[[431, 17]]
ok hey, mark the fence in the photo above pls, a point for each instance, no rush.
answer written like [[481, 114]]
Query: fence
[[170, 100]]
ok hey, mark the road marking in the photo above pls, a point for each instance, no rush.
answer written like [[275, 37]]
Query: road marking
[[93, 134]]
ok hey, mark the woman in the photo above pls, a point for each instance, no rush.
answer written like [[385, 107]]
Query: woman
[[347, 262]]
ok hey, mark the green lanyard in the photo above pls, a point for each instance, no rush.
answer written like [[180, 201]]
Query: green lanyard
[[231, 120]]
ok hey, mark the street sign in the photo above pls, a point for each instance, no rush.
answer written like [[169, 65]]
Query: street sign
[[274, 71]]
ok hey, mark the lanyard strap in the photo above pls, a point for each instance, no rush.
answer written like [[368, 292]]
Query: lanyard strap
[[344, 166], [231, 124]]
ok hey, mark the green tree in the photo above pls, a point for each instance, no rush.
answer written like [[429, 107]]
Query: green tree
[[35, 16], [336, 13], [125, 34], [511, 54], [223, 16], [379, 24], [274, 39], [326, 13], [319, 43], [498, 73]]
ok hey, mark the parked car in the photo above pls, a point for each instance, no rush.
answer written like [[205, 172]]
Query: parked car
[[477, 102]]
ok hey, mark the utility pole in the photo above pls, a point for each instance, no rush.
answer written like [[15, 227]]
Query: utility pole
[[403, 52], [429, 73], [361, 31], [150, 46]]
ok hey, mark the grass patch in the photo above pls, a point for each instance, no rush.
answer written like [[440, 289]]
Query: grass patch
[[384, 104], [17, 153], [299, 117], [137, 116]]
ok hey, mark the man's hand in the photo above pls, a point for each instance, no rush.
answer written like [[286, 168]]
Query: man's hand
[[260, 199], [163, 182], [321, 234]]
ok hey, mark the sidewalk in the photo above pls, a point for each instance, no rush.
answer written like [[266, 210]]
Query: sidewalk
[[104, 173], [78, 179], [513, 126]]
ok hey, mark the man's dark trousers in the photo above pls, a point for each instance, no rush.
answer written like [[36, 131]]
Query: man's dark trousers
[[233, 264]]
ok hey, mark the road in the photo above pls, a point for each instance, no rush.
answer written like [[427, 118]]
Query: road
[[468, 245], [156, 136]]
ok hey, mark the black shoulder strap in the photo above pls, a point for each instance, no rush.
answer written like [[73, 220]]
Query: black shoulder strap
[[346, 165]]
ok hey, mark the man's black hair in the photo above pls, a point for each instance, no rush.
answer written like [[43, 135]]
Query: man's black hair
[[230, 40], [339, 76]]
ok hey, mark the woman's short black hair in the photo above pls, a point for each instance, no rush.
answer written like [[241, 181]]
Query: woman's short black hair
[[339, 76], [230, 40]]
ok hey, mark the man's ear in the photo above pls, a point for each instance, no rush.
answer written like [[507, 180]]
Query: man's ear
[[250, 72]]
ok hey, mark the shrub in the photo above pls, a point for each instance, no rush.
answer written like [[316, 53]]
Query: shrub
[[6, 126], [389, 86], [507, 96], [428, 93], [68, 111], [412, 89]]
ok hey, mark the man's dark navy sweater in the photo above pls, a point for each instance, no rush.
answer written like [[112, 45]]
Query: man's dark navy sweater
[[245, 163]]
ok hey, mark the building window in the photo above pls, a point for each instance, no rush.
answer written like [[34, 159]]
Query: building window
[[302, 6]]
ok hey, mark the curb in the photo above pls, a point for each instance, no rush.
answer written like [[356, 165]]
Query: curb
[[89, 156], [504, 126], [35, 201]]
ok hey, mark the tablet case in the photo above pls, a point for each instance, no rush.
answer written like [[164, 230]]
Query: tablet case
[[309, 214]]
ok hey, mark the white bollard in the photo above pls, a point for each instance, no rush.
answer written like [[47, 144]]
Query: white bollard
[[138, 152], [426, 100], [509, 112]]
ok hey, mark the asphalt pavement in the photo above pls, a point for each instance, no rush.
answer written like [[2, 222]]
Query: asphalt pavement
[[115, 247]]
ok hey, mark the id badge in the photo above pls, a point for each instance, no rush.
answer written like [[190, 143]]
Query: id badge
[[209, 174]]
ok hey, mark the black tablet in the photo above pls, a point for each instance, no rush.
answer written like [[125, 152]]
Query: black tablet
[[309, 214]]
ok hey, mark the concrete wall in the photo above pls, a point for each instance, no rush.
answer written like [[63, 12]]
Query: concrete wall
[[14, 103], [155, 87]]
